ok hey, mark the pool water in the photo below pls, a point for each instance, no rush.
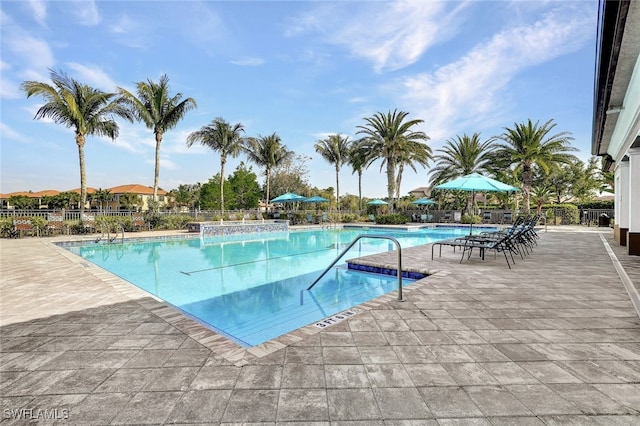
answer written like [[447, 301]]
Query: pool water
[[254, 290]]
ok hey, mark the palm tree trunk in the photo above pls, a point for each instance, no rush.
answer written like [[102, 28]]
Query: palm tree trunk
[[360, 190], [526, 187], [267, 172], [157, 170], [391, 181], [223, 160], [80, 140], [399, 180], [337, 189]]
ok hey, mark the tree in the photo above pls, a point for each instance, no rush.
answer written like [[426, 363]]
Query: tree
[[211, 193], [387, 136], [267, 152], [223, 137], [529, 143], [186, 195], [461, 156], [102, 196], [359, 158], [245, 188], [159, 111], [23, 202], [291, 175], [334, 149], [130, 201], [89, 111], [411, 153]]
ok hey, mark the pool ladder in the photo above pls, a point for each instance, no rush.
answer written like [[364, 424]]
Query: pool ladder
[[106, 234], [355, 240]]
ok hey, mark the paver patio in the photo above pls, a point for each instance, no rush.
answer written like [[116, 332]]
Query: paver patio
[[555, 340]]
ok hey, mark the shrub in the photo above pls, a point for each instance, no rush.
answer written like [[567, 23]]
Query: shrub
[[173, 222], [468, 219], [561, 214], [391, 219], [6, 226]]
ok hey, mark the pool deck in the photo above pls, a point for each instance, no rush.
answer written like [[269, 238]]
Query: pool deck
[[555, 340]]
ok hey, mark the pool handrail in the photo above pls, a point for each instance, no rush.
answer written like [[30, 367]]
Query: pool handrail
[[355, 240]]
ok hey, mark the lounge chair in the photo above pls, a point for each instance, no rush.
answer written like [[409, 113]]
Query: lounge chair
[[22, 225], [486, 217], [55, 224], [507, 217], [139, 223], [503, 244], [88, 223]]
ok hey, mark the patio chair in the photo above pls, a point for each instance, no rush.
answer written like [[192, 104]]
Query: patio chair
[[88, 223], [55, 224], [507, 217], [447, 217], [372, 218], [423, 218], [309, 218], [486, 217], [22, 225], [139, 223]]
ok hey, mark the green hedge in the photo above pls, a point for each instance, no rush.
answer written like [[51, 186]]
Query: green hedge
[[391, 219]]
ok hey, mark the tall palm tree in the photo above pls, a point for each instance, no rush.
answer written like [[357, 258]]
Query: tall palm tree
[[387, 135], [334, 149], [411, 153], [267, 152], [461, 156], [529, 143], [87, 110], [159, 111], [359, 158], [223, 137]]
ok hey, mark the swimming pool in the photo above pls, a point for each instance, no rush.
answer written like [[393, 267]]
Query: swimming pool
[[250, 289]]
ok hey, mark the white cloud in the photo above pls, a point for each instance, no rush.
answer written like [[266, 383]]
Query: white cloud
[[86, 12], [9, 89], [391, 37], [93, 76], [248, 61], [35, 54], [472, 90], [6, 132], [39, 8]]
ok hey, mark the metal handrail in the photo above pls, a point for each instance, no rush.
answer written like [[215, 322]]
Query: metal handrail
[[358, 238]]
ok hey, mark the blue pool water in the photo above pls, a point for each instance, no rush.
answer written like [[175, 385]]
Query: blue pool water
[[250, 290]]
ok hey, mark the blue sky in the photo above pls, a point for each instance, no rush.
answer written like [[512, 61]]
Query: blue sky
[[301, 69]]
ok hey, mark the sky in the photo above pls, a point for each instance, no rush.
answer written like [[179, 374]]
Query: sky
[[301, 69]]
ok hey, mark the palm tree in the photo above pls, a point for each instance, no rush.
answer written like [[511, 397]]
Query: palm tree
[[461, 156], [387, 136], [87, 110], [412, 152], [220, 136], [334, 149], [267, 152], [359, 158], [159, 111], [528, 144]]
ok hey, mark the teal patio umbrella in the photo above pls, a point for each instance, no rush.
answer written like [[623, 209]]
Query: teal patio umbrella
[[288, 197], [424, 201], [377, 202], [475, 182], [315, 199]]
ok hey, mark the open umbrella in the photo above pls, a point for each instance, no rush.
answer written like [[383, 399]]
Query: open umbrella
[[475, 182], [315, 199], [288, 197], [424, 201], [377, 202]]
